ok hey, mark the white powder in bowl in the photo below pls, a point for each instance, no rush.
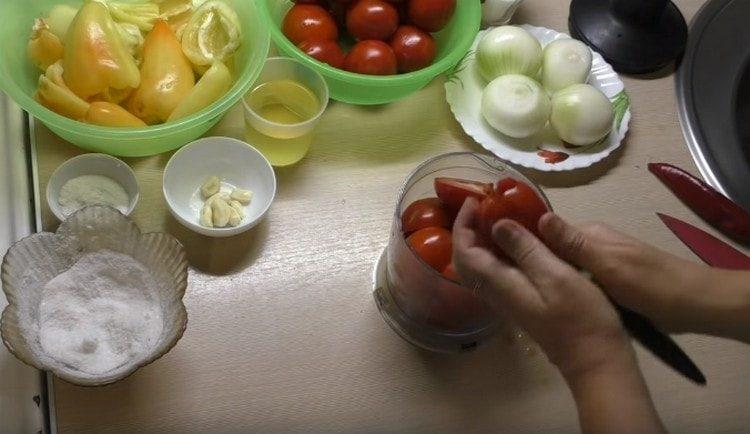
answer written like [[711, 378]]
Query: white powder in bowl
[[92, 190], [101, 314]]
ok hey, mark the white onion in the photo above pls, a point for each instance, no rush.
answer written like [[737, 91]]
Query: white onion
[[565, 62], [515, 105], [581, 114], [508, 50]]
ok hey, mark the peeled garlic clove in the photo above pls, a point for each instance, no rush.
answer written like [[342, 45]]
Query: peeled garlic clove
[[142, 15], [218, 196], [234, 217], [242, 196], [54, 94], [238, 208], [166, 76], [212, 34], [212, 86], [206, 218], [95, 55], [111, 115], [221, 213], [210, 187], [44, 47]]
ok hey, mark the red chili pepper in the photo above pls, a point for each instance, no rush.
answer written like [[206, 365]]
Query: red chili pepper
[[712, 206]]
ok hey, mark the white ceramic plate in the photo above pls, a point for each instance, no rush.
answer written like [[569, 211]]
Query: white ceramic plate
[[543, 151]]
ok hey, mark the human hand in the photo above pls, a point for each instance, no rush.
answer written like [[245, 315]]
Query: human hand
[[676, 294], [564, 312], [635, 274]]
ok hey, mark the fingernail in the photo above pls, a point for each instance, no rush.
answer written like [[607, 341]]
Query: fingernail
[[549, 222]]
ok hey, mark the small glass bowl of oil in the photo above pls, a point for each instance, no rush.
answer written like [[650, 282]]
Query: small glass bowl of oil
[[282, 109]]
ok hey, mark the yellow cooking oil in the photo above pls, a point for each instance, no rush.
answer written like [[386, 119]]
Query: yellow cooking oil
[[280, 106]]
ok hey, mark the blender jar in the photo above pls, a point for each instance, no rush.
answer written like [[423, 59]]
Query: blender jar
[[418, 302]]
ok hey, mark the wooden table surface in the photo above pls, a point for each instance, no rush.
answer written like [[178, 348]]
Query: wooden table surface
[[283, 333]]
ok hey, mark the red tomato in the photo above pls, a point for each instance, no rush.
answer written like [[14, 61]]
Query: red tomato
[[453, 192], [414, 48], [305, 21], [434, 245], [425, 213], [519, 203], [506, 184], [451, 273], [431, 15], [372, 19], [371, 57], [324, 50]]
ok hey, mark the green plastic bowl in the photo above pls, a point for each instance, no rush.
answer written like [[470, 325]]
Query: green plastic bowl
[[18, 78], [453, 42]]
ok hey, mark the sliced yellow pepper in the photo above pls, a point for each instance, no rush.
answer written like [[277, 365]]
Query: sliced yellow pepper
[[44, 47], [96, 58], [212, 34], [142, 15], [55, 95], [212, 86], [111, 115], [166, 76]]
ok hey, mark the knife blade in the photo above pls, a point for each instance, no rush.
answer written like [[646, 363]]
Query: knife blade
[[661, 345], [710, 249]]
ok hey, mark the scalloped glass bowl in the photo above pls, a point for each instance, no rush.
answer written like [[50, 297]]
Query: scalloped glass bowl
[[32, 262], [453, 42], [18, 78]]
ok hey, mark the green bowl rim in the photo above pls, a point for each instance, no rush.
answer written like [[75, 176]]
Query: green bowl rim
[[218, 108], [474, 7]]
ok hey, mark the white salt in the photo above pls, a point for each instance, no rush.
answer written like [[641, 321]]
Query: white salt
[[92, 190], [101, 314]]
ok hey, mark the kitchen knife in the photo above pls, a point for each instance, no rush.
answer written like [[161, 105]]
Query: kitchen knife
[[661, 345], [710, 249]]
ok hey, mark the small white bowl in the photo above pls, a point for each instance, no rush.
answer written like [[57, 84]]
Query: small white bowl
[[236, 163], [92, 164]]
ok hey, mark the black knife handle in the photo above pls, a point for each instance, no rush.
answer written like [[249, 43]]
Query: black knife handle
[[659, 344]]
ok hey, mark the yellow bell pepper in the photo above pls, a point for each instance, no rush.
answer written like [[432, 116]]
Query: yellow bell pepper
[[111, 115], [44, 47], [212, 34], [96, 58], [212, 86], [142, 15], [55, 95], [166, 76]]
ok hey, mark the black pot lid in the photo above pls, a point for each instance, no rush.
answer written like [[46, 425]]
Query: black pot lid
[[713, 93]]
